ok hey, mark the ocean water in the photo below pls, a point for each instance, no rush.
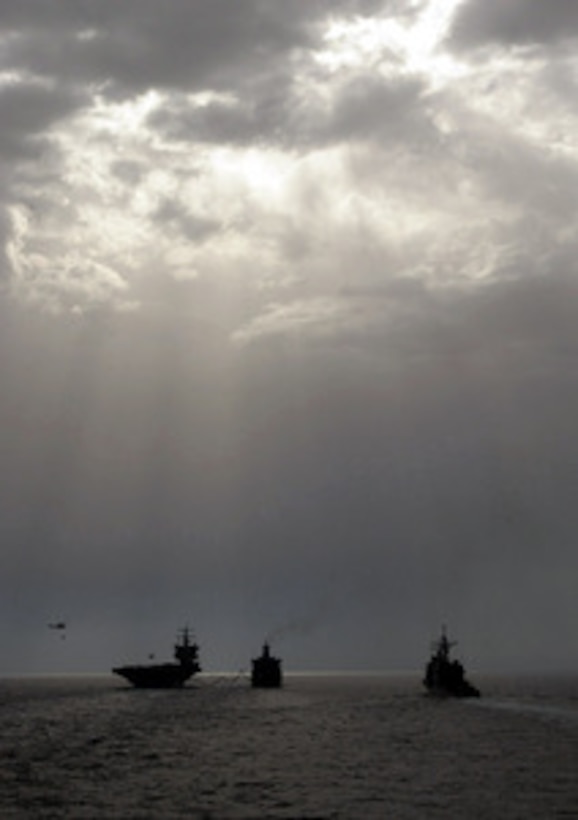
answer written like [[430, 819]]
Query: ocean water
[[324, 746]]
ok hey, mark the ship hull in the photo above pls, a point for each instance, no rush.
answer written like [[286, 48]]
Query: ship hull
[[449, 682], [268, 678], [466, 691], [156, 676]]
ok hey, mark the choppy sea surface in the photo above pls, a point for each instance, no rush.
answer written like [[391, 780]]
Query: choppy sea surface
[[323, 746]]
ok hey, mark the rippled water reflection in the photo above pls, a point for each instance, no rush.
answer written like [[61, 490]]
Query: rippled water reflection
[[322, 747]]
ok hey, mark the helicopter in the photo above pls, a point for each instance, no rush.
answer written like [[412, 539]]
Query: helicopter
[[59, 626]]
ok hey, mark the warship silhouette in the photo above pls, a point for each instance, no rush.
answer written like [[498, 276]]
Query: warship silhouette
[[266, 670], [446, 677], [169, 675]]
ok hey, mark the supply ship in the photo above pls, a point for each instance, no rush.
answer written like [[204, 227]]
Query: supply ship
[[169, 675], [444, 676], [266, 670]]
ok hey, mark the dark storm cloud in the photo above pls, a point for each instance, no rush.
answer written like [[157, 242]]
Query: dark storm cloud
[[531, 177], [369, 109], [5, 233], [137, 45], [527, 319], [196, 229], [364, 110], [521, 318], [27, 110], [515, 22], [262, 114]]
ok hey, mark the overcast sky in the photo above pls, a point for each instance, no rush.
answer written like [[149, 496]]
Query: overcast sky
[[288, 330]]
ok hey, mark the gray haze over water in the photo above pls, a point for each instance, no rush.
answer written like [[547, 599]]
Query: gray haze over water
[[288, 333]]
